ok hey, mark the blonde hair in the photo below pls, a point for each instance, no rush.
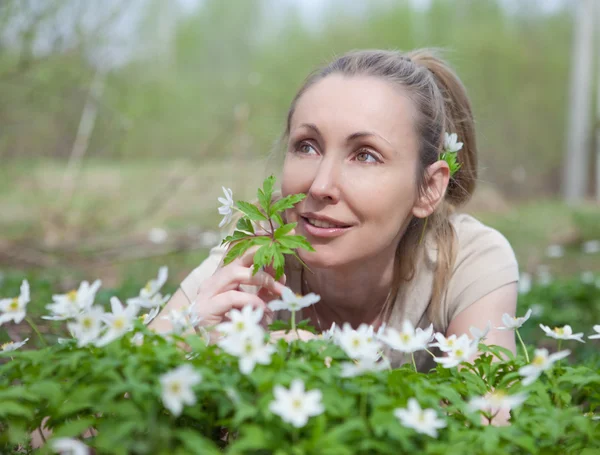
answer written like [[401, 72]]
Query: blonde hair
[[443, 106]]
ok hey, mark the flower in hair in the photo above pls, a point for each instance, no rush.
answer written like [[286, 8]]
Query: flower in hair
[[451, 147]]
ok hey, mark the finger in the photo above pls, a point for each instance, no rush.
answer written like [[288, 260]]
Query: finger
[[235, 300], [271, 271], [229, 279]]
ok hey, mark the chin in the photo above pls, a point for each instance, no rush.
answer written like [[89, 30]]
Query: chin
[[322, 258]]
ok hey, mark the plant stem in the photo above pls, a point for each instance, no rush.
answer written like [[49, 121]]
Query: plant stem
[[293, 321], [523, 346], [36, 330], [430, 353], [412, 355]]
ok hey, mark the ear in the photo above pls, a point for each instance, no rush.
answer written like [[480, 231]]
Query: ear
[[437, 177]]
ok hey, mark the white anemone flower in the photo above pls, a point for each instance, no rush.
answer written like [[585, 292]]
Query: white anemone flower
[[361, 366], [177, 388], [408, 339], [461, 351], [359, 343], [13, 345], [512, 323], [450, 143], [444, 344], [15, 309], [250, 349], [478, 334], [293, 302], [241, 322], [296, 405], [497, 401], [69, 446], [69, 305], [150, 316], [149, 296], [119, 322], [597, 334], [423, 421], [227, 208], [331, 333], [540, 363], [183, 320], [562, 333], [87, 326]]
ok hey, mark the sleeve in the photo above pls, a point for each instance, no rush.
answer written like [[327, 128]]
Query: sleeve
[[191, 284], [485, 262]]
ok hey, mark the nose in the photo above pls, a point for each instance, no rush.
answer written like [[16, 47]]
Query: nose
[[325, 186]]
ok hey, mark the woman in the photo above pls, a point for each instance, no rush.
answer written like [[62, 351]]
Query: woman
[[364, 137]]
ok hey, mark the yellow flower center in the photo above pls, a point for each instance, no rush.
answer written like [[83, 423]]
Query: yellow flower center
[[6, 345], [148, 286], [559, 330], [538, 360], [296, 404], [248, 348], [450, 342], [240, 326], [356, 342], [72, 295], [421, 417], [87, 323], [405, 337], [460, 352], [14, 305], [119, 323], [175, 387]]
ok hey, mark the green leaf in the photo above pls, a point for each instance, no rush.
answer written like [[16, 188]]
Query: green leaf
[[287, 202], [279, 325], [295, 241], [237, 235], [14, 409], [285, 229], [251, 211], [73, 428], [244, 224], [196, 443], [237, 250], [266, 194]]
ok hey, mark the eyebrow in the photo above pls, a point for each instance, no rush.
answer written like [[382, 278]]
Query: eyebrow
[[350, 138]]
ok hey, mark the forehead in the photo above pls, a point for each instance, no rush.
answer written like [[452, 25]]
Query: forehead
[[346, 104]]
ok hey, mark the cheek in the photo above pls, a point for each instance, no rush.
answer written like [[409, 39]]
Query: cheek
[[296, 176]]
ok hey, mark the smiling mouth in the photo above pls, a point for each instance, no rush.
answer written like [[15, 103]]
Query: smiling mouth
[[324, 224]]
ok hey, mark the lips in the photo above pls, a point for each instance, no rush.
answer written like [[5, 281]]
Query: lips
[[323, 226]]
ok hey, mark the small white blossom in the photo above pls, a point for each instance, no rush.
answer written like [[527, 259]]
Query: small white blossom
[[450, 143], [555, 251], [462, 351], [183, 320], [331, 333], [241, 322], [512, 323], [15, 309], [150, 316], [543, 275], [87, 326], [295, 405], [69, 305], [597, 334], [227, 208], [562, 333], [540, 363], [524, 283], [421, 420], [149, 296], [69, 446], [361, 366], [250, 349], [478, 334], [591, 247], [360, 343], [497, 401], [12, 345], [158, 235], [118, 322], [177, 388], [293, 302], [587, 277], [444, 344], [408, 339]]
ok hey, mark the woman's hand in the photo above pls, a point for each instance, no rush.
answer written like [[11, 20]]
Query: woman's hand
[[299, 334]]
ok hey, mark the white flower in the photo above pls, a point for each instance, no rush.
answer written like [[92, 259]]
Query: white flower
[[497, 401], [591, 247], [177, 388], [540, 363], [149, 296], [293, 302], [15, 309], [444, 344], [360, 343], [158, 235], [361, 366], [250, 349], [450, 143], [69, 305], [149, 317], [408, 340], [331, 333], [296, 405], [512, 323], [555, 251], [597, 334], [87, 326], [587, 277], [544, 276], [12, 345], [241, 322], [118, 322], [462, 350], [183, 320], [524, 283], [421, 420], [562, 333], [479, 334], [227, 208], [69, 446]]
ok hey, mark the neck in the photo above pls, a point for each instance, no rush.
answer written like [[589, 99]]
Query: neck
[[355, 293]]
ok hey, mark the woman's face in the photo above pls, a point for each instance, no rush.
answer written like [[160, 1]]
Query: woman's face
[[353, 151]]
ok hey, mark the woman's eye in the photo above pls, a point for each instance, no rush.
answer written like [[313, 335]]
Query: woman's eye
[[366, 157], [305, 148]]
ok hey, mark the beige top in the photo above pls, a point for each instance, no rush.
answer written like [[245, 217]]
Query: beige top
[[485, 262]]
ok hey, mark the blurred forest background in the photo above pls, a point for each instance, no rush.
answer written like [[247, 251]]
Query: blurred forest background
[[120, 121]]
